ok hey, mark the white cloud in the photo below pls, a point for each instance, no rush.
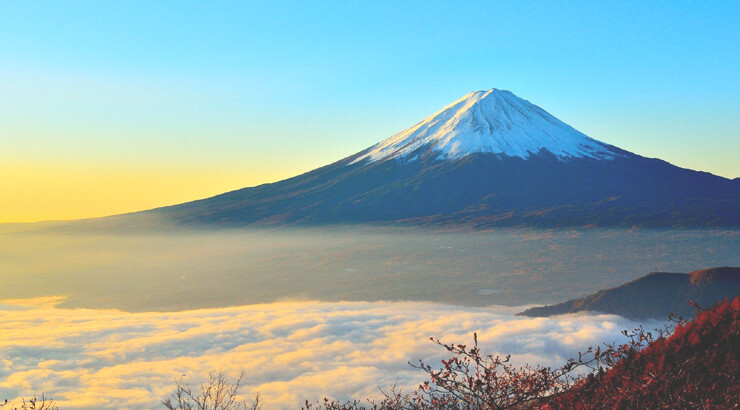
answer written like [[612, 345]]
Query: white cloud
[[292, 351]]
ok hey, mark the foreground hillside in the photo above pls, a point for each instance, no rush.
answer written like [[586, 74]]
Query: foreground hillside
[[698, 366], [655, 295]]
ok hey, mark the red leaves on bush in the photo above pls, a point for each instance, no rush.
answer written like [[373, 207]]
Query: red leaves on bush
[[698, 366]]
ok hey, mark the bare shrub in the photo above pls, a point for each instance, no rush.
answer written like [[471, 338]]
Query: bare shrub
[[218, 393], [33, 403]]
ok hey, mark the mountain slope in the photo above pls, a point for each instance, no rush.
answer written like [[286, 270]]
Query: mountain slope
[[655, 295], [489, 159]]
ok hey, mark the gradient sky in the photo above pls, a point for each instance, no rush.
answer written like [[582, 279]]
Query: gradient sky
[[109, 107]]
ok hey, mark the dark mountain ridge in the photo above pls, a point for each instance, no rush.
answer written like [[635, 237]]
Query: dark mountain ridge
[[655, 295]]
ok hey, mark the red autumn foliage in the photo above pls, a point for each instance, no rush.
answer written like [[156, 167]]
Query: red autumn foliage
[[698, 366]]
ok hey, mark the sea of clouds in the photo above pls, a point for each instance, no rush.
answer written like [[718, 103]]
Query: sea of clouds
[[291, 351]]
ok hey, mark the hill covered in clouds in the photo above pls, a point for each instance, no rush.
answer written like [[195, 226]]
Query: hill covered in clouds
[[655, 295]]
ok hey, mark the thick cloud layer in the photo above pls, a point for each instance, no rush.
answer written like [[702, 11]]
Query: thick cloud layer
[[291, 351]]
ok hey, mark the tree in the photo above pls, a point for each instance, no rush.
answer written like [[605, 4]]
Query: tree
[[33, 403], [218, 393]]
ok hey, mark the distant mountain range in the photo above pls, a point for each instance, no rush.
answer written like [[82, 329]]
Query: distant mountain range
[[488, 159], [655, 295]]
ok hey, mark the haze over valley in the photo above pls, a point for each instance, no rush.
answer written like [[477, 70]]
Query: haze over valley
[[180, 270]]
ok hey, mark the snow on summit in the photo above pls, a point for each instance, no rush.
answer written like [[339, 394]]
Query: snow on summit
[[493, 121]]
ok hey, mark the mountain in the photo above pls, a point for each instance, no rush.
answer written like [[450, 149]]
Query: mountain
[[655, 295], [488, 159]]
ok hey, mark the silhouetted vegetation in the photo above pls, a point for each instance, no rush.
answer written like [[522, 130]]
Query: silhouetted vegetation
[[33, 403], [218, 393]]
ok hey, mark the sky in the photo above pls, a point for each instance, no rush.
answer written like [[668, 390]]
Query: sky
[[111, 107]]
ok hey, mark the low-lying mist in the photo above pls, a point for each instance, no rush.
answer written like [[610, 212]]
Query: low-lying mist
[[167, 271], [290, 351]]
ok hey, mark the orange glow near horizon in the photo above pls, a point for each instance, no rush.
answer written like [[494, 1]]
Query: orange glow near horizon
[[44, 192]]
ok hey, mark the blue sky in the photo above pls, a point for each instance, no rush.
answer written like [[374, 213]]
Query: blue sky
[[206, 97]]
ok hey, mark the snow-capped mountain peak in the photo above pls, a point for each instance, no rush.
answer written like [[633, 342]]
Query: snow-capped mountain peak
[[493, 121]]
